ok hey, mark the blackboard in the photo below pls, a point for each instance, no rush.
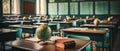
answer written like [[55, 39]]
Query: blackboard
[[63, 8], [101, 7], [52, 8], [74, 8], [86, 8], [115, 8]]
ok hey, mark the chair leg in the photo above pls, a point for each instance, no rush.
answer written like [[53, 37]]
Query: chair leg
[[23, 35], [98, 49]]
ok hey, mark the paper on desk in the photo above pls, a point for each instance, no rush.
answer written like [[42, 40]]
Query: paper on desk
[[35, 39], [80, 28]]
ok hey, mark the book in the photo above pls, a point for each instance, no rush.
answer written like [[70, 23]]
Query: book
[[65, 43]]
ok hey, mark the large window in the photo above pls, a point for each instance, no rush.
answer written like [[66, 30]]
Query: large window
[[8, 6]]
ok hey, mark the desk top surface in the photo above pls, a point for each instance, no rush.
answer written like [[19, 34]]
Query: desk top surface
[[31, 45], [86, 30], [23, 26], [102, 26], [2, 30]]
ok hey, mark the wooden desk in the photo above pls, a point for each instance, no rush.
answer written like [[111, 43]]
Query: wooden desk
[[53, 26], [64, 25], [92, 33], [25, 29], [33, 46], [113, 30], [97, 35], [7, 35], [77, 23], [99, 26], [107, 23], [7, 23]]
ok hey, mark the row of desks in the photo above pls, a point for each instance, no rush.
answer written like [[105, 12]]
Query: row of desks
[[94, 34]]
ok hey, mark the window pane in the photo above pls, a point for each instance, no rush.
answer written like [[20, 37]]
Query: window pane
[[6, 6], [12, 6], [86, 8], [101, 7], [74, 8], [52, 8], [115, 8], [63, 8]]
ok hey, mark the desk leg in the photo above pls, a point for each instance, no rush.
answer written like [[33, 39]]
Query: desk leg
[[3, 46], [103, 45], [92, 43]]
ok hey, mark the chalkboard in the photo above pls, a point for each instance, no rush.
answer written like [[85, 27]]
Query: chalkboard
[[86, 8], [52, 8], [101, 7], [74, 8], [63, 8], [115, 8]]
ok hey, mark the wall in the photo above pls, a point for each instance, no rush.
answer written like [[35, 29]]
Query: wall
[[82, 8], [28, 7], [1, 13]]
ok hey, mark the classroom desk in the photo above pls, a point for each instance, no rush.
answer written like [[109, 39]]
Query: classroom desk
[[33, 46], [7, 35], [64, 25], [7, 23], [99, 26], [113, 30], [77, 23], [94, 34], [25, 29], [52, 26], [106, 23]]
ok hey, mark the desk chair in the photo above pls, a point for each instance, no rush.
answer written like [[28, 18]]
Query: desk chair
[[98, 45], [88, 48]]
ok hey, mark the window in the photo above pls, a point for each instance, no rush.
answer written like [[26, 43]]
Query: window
[[8, 6]]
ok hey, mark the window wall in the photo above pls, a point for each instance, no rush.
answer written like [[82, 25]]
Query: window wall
[[8, 6]]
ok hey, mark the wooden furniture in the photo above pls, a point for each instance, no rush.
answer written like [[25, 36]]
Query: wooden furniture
[[64, 25], [113, 29], [33, 46], [94, 34], [99, 26], [24, 29], [7, 35], [77, 23], [52, 26], [6, 24]]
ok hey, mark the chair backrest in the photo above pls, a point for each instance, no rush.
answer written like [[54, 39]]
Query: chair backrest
[[88, 48], [78, 37]]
